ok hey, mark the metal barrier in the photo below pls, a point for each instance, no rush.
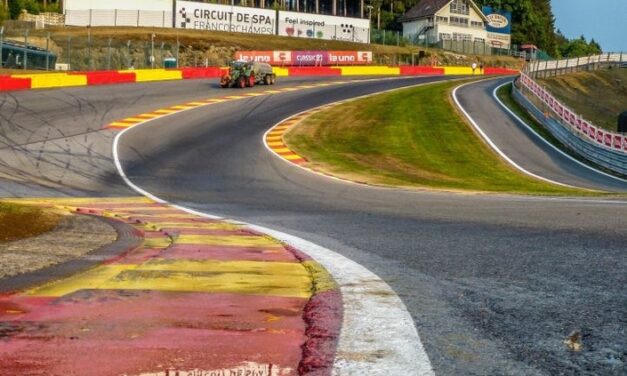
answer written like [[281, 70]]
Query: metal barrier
[[552, 68], [611, 158]]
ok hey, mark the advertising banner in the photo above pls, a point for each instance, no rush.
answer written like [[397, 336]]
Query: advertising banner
[[307, 58], [204, 16], [304, 25], [499, 27]]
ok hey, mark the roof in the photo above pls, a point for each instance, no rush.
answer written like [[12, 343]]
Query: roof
[[427, 8]]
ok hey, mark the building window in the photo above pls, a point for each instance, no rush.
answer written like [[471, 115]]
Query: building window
[[460, 7], [476, 24], [462, 37], [442, 19], [479, 40], [445, 36], [459, 21]]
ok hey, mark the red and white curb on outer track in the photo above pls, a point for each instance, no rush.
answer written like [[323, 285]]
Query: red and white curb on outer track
[[378, 335]]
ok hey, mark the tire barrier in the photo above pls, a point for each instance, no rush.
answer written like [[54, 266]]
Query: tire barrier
[[66, 79]]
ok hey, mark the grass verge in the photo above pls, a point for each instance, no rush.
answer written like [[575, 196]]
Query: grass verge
[[20, 221], [598, 96], [411, 138]]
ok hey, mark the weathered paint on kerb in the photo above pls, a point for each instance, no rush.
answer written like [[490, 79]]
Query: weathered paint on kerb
[[201, 296]]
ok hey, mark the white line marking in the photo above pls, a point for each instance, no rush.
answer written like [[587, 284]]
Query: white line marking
[[521, 121], [378, 335], [496, 148]]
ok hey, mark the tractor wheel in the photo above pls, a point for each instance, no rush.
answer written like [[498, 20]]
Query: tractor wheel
[[241, 82], [224, 84], [273, 79], [267, 79], [251, 80]]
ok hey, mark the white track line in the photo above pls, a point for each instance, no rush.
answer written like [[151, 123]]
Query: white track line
[[522, 122], [378, 334], [496, 148]]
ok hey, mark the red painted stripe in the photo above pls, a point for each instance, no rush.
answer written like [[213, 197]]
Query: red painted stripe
[[408, 70], [10, 84], [107, 77], [313, 71]]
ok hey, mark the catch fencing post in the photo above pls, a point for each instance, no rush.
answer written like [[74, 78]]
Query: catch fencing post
[[69, 52], [109, 54], [25, 64], [47, 51], [178, 47], [1, 44]]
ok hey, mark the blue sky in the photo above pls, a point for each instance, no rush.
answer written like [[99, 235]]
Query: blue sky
[[603, 20]]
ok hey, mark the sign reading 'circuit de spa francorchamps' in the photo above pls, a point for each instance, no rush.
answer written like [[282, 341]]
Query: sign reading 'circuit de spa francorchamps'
[[203, 16]]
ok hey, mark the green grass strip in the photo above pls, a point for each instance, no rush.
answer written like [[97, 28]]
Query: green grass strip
[[413, 138]]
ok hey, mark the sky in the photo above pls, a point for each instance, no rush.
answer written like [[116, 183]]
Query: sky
[[603, 20]]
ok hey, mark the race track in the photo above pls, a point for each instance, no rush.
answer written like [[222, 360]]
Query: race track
[[495, 283]]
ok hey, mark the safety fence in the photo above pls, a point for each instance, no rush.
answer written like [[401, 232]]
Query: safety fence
[[55, 80], [552, 68], [600, 146], [118, 17]]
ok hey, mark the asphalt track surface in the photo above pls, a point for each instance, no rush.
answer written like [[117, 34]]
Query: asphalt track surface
[[495, 283]]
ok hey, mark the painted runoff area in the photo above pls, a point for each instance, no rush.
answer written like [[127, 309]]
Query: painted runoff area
[[58, 80], [375, 320], [198, 294], [222, 294]]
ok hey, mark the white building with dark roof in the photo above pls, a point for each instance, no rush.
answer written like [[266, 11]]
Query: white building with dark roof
[[442, 20]]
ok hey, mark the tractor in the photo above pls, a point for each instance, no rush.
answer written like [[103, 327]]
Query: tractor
[[242, 74]]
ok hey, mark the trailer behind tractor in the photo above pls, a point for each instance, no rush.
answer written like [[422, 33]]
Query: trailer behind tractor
[[242, 74]]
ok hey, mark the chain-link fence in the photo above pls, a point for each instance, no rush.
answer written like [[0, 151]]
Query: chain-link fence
[[25, 48]]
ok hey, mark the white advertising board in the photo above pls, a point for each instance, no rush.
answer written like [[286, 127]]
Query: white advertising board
[[145, 5], [203, 16], [305, 25]]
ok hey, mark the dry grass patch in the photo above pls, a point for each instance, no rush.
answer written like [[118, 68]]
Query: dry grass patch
[[20, 221]]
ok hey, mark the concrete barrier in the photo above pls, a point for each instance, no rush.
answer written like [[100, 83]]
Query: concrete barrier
[[51, 80], [370, 71], [8, 83], [146, 75]]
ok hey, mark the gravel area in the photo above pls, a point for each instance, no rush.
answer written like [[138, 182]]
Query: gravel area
[[75, 236]]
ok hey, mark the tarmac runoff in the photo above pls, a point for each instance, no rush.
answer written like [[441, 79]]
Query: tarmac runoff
[[199, 295]]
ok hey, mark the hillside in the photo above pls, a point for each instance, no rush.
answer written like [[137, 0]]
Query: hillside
[[216, 48], [598, 96]]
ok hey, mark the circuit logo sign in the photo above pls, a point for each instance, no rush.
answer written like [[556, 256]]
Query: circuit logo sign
[[203, 16]]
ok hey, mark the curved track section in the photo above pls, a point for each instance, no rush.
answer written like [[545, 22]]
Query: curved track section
[[523, 146], [494, 283], [491, 281]]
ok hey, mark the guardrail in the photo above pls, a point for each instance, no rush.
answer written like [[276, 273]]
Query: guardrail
[[606, 149], [552, 68]]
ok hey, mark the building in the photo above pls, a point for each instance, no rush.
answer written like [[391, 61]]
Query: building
[[434, 21]]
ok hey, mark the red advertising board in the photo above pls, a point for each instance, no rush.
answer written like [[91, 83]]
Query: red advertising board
[[307, 58]]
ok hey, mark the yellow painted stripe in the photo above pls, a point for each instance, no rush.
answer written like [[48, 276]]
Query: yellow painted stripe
[[272, 91], [118, 124], [196, 103], [134, 120], [181, 107], [235, 97], [237, 241], [276, 144], [195, 225], [273, 138], [282, 150], [239, 277], [292, 157], [254, 94], [165, 111]]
